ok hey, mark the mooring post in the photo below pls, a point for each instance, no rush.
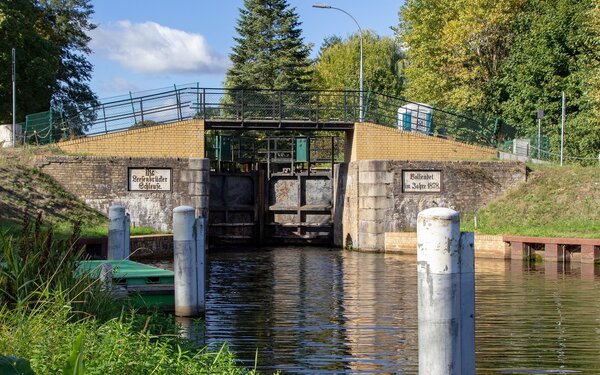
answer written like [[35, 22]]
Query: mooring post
[[117, 233], [201, 262], [127, 236], [106, 275], [446, 328], [189, 262]]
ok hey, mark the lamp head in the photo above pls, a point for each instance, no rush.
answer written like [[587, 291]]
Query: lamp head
[[322, 6]]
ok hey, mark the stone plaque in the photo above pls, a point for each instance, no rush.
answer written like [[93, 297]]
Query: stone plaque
[[149, 179], [421, 181]]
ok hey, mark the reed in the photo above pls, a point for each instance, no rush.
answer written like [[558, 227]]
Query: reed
[[54, 320]]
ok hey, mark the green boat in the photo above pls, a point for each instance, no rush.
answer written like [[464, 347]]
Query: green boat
[[145, 286]]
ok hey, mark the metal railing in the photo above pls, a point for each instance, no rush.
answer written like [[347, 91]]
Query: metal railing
[[242, 106]]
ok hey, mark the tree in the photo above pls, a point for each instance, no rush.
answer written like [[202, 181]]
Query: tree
[[50, 37], [454, 48], [269, 51], [22, 27], [556, 49], [508, 58], [337, 67], [70, 23]]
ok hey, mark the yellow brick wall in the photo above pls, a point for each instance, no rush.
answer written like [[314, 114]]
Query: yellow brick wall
[[376, 142], [486, 246], [181, 139], [186, 139]]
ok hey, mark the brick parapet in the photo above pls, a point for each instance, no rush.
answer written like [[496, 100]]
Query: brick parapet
[[372, 141], [181, 139]]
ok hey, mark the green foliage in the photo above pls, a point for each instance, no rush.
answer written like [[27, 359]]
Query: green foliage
[[74, 365], [35, 266], [50, 38], [70, 23], [555, 49], [46, 310], [509, 58], [269, 51], [554, 202], [121, 345], [22, 27], [337, 67], [454, 48]]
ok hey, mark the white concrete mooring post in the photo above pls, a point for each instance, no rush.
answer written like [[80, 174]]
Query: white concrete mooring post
[[127, 236], [446, 294], [189, 235], [118, 233], [106, 275]]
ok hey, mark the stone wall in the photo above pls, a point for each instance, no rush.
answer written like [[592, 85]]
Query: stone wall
[[371, 141], [103, 181], [182, 139], [486, 246], [151, 247], [375, 203]]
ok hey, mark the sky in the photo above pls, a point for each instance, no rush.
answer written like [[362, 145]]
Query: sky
[[151, 44]]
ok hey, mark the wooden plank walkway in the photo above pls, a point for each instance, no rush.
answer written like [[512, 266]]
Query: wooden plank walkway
[[555, 249]]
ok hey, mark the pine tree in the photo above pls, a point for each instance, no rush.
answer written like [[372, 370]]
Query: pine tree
[[270, 52]]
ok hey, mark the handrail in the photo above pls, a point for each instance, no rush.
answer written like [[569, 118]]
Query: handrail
[[320, 107]]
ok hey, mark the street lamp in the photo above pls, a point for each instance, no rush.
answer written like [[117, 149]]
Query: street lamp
[[361, 114]]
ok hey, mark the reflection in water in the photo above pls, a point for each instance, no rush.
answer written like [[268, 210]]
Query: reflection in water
[[309, 310], [539, 317]]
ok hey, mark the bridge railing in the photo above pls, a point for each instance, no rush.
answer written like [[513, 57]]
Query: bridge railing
[[277, 106], [308, 107]]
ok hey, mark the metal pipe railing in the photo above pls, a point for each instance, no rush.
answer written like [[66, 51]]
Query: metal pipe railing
[[307, 106]]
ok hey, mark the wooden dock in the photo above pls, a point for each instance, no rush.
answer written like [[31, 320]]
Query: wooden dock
[[145, 286], [556, 249]]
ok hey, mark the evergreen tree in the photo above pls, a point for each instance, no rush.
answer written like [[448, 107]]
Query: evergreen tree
[[269, 52]]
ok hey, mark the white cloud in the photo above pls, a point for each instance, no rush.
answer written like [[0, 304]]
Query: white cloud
[[155, 49]]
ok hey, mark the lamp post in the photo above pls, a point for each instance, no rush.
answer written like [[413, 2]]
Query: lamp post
[[361, 114], [14, 96]]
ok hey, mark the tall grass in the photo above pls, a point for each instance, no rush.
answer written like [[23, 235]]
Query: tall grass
[[62, 321], [36, 265], [45, 336]]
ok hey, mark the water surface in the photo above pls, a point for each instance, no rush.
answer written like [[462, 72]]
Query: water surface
[[316, 310]]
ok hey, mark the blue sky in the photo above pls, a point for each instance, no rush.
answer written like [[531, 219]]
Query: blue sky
[[143, 45]]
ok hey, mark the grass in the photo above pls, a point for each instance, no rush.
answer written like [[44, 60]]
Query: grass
[[101, 230], [554, 202], [35, 264], [27, 188], [59, 320], [128, 344]]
